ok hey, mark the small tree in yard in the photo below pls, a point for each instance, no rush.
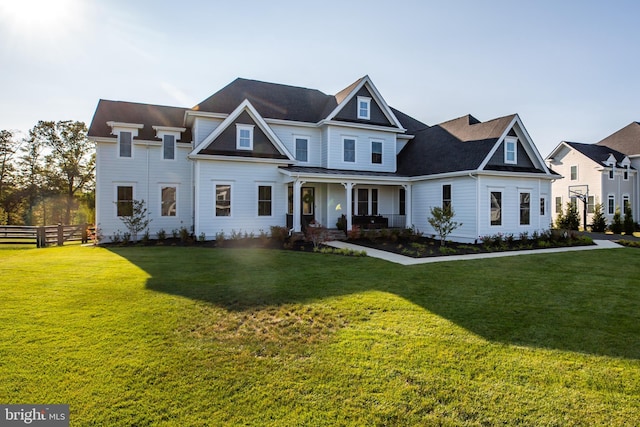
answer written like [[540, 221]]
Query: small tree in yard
[[599, 223], [441, 220], [628, 224], [616, 223], [137, 220]]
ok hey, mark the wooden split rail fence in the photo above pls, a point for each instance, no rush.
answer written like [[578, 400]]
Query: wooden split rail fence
[[44, 236]]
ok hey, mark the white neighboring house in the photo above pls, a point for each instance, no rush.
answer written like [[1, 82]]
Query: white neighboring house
[[609, 174], [256, 154]]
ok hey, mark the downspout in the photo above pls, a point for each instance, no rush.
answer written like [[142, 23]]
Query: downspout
[[477, 203], [147, 213]]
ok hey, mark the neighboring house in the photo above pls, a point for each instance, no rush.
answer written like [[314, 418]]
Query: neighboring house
[[605, 173], [256, 154]]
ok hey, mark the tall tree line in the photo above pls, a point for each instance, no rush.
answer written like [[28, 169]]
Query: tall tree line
[[48, 176]]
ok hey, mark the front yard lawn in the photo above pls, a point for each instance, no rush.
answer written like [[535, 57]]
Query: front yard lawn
[[200, 336]]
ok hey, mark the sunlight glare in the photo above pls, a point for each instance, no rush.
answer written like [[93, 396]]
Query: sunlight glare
[[41, 18]]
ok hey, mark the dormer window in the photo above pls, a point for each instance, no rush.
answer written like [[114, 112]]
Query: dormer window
[[124, 144], [611, 172], [364, 108], [244, 137], [510, 150], [625, 174]]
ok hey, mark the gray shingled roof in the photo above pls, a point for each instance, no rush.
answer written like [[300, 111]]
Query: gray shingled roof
[[457, 145], [597, 153], [626, 140], [131, 112], [271, 100]]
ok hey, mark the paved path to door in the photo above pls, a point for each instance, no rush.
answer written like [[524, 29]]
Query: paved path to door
[[404, 260]]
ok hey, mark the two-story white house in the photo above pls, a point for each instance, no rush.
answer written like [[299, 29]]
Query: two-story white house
[[256, 154], [605, 172]]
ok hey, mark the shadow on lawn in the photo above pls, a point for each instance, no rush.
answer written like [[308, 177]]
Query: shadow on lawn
[[514, 300]]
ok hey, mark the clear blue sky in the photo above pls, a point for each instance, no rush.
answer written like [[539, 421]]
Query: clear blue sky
[[570, 69]]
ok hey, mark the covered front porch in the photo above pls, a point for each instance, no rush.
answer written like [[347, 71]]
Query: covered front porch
[[365, 200]]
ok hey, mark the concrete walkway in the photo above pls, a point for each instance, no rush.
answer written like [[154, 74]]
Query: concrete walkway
[[404, 260]]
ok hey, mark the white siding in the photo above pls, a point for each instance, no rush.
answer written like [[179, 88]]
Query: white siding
[[146, 172], [428, 194], [511, 189], [244, 178], [363, 138], [287, 135], [470, 199], [203, 127]]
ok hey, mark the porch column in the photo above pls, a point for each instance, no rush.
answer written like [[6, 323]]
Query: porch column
[[408, 221], [297, 192], [349, 187]]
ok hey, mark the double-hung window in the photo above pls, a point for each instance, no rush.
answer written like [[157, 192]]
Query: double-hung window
[[169, 199], [446, 197], [124, 144], [558, 204], [511, 150], [349, 147], [168, 147], [611, 204], [626, 203], [591, 204], [376, 152], [124, 203], [302, 149], [543, 208], [244, 137], [496, 208], [223, 200], [525, 208], [364, 108], [264, 200], [574, 173]]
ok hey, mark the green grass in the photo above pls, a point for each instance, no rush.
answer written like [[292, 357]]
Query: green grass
[[191, 336]]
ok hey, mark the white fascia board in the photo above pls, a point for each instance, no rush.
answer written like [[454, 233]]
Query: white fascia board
[[362, 126], [168, 129], [360, 179], [112, 125], [376, 95], [557, 149], [529, 147], [244, 106], [547, 176], [190, 115], [101, 139], [290, 123], [238, 159]]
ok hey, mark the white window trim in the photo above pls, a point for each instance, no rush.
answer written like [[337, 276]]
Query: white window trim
[[175, 148], [577, 173], [215, 199], [555, 203], [295, 147], [381, 142], [502, 216], [543, 203], [626, 197], [625, 173], [508, 140], [530, 193], [366, 100], [165, 185], [115, 195], [240, 127], [612, 173], [611, 197], [355, 149], [119, 142], [264, 184]]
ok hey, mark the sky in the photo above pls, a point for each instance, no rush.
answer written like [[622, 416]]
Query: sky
[[570, 69]]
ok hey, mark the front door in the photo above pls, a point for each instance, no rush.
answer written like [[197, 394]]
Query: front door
[[307, 205]]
